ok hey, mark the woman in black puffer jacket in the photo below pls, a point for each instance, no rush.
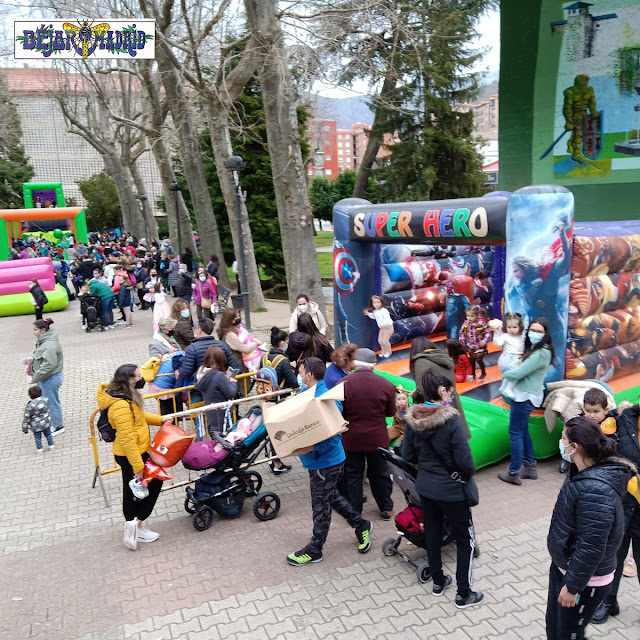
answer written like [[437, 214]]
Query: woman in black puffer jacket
[[435, 439], [586, 528]]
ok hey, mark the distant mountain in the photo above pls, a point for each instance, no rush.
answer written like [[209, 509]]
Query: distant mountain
[[347, 111]]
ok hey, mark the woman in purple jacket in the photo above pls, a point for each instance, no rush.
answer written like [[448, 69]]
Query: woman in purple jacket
[[203, 291]]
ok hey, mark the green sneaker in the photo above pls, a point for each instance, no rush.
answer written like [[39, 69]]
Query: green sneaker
[[302, 557], [363, 536]]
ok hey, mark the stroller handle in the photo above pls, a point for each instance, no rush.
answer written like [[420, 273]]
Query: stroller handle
[[218, 437]]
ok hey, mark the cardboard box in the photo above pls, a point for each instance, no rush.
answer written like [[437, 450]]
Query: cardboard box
[[298, 423]]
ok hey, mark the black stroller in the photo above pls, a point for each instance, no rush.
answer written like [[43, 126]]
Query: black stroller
[[91, 310], [225, 488], [408, 521]]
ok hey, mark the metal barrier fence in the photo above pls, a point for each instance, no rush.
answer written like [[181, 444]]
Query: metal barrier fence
[[193, 420]]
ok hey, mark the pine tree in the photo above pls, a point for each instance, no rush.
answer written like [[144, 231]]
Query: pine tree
[[14, 164]]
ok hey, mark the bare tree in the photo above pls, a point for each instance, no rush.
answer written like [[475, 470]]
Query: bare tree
[[294, 211]]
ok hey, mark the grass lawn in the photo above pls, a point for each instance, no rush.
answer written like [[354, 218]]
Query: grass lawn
[[325, 262], [324, 239]]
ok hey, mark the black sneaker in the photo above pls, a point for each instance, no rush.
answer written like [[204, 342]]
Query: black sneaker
[[278, 471], [57, 432], [439, 589], [302, 557], [363, 536], [474, 597]]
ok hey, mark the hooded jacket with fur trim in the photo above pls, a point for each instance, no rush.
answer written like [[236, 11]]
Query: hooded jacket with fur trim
[[437, 428], [588, 522]]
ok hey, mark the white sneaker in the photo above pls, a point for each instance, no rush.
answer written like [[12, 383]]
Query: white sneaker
[[39, 450], [52, 447], [131, 534], [144, 535]]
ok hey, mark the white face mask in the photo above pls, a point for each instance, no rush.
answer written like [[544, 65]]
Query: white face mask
[[563, 453], [202, 278], [303, 308]]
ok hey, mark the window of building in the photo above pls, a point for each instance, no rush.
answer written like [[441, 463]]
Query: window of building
[[326, 128], [339, 144], [340, 152], [327, 172], [339, 136], [327, 156]]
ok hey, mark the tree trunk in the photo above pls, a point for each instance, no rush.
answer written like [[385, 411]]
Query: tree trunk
[[151, 227], [180, 108], [131, 214], [289, 179], [221, 146]]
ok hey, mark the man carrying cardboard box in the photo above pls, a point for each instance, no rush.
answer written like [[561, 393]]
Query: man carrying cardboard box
[[325, 463], [368, 400]]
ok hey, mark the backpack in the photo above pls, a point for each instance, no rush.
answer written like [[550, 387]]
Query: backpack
[[150, 368], [106, 431], [266, 377]]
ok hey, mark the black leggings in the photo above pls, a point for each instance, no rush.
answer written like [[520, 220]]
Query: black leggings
[[570, 622], [131, 507]]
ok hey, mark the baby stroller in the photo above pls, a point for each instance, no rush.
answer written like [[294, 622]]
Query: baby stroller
[[91, 310], [410, 522], [223, 490]]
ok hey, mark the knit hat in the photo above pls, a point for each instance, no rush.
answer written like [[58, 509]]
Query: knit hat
[[365, 358]]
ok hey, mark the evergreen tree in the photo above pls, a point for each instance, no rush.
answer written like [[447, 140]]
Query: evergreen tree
[[102, 201], [14, 164]]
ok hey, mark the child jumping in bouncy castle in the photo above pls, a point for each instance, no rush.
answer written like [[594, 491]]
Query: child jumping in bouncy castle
[[475, 335], [461, 363], [377, 310], [509, 334]]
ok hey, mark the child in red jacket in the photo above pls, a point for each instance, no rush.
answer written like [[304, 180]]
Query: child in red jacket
[[461, 363]]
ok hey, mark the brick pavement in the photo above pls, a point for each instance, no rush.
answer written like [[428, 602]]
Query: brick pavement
[[65, 574]]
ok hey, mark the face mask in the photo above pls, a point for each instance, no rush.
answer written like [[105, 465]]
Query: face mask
[[535, 337], [139, 266], [202, 278], [185, 313], [565, 456], [237, 321], [140, 383], [154, 275], [180, 270], [171, 333], [96, 275], [303, 308], [301, 383]]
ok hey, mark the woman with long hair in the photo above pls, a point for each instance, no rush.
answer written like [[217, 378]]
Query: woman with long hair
[[215, 385], [525, 395], [308, 342], [586, 528], [123, 400], [343, 362], [183, 332], [243, 346]]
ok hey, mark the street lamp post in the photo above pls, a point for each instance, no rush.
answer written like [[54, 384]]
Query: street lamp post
[[143, 199], [175, 187], [235, 164]]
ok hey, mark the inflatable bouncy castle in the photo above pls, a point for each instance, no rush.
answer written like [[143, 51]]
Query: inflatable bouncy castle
[[15, 298], [506, 251]]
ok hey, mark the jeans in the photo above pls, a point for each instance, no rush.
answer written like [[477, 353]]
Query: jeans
[[107, 311], [521, 443], [378, 474], [324, 499], [50, 388], [460, 523], [38, 438], [564, 623]]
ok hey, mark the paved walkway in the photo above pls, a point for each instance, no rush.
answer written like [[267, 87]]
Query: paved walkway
[[65, 574]]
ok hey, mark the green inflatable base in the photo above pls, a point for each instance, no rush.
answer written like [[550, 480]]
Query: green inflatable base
[[19, 304], [489, 426]]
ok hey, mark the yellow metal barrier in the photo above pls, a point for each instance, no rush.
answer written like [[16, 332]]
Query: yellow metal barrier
[[195, 410]]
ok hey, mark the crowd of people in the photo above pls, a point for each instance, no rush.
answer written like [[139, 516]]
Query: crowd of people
[[597, 514]]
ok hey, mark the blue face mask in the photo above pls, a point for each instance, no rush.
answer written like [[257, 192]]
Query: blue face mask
[[565, 456], [301, 383], [535, 337], [185, 313]]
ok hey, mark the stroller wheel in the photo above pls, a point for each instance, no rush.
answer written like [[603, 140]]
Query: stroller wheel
[[190, 505], [388, 546], [266, 506], [203, 518], [253, 482], [424, 572]]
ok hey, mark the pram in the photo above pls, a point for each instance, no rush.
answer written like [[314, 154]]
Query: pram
[[225, 488], [91, 310], [408, 521]]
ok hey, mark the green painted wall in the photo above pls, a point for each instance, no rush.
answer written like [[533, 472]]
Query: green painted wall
[[531, 100]]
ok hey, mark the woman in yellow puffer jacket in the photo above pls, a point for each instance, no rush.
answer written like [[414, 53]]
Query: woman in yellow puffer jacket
[[127, 416]]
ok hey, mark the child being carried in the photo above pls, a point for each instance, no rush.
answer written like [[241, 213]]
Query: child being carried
[[508, 334]]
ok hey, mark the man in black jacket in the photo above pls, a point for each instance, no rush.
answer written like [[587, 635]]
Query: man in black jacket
[[194, 355], [183, 286], [629, 447]]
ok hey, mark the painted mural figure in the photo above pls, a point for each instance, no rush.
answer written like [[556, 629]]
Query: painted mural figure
[[579, 101], [537, 285]]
